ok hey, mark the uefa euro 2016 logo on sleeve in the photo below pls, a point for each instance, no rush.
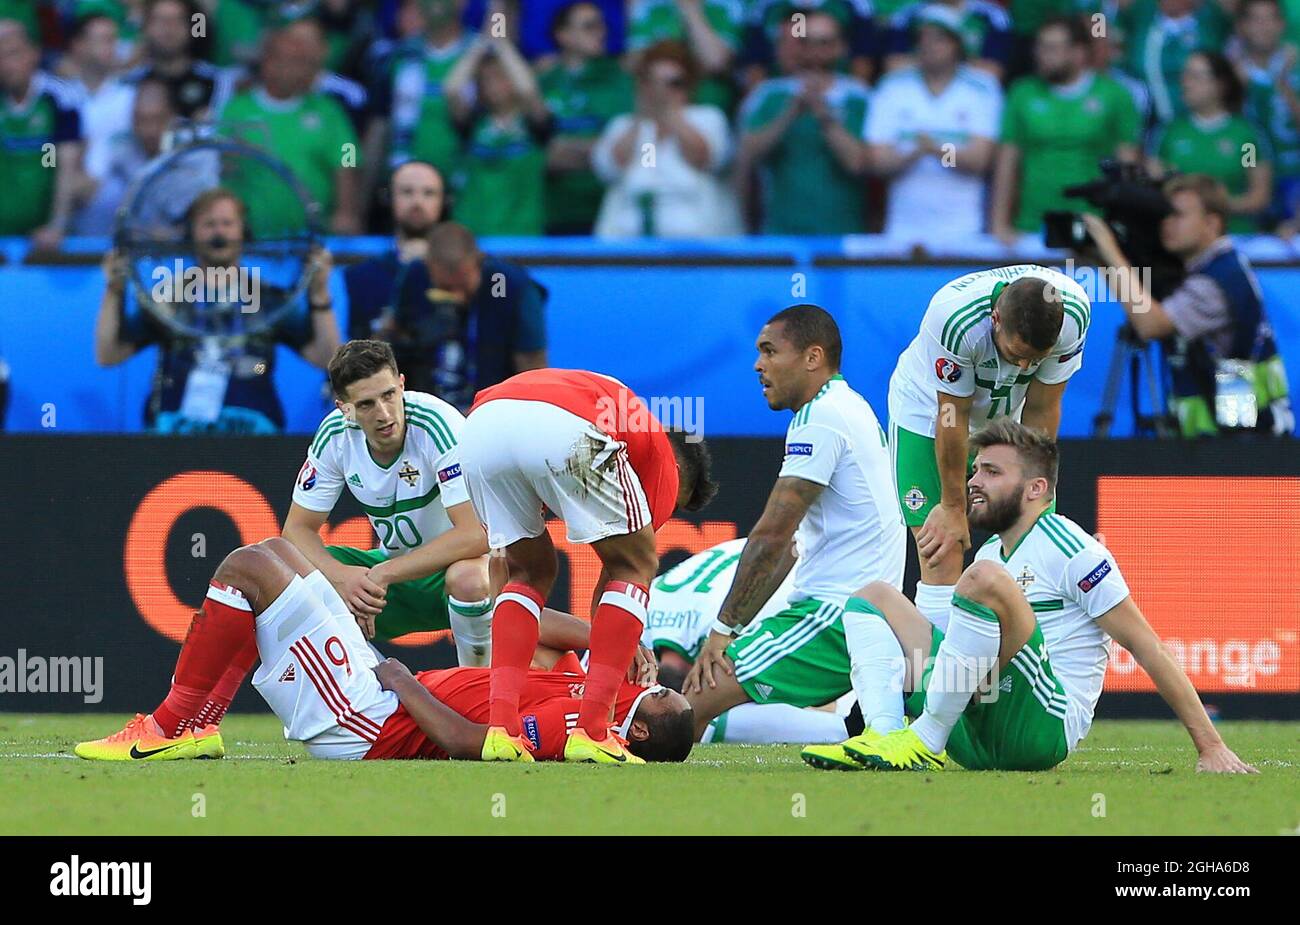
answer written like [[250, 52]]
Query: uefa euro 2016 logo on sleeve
[[946, 370], [798, 449], [1094, 577], [307, 476]]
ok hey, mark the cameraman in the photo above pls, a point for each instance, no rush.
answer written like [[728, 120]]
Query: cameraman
[[1219, 336]]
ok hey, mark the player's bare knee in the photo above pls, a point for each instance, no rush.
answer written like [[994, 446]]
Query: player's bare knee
[[244, 568], [880, 595], [985, 583], [467, 580]]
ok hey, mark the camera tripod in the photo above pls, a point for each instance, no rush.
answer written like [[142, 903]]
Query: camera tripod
[[1145, 372]]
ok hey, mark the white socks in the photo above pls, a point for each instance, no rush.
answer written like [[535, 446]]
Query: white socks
[[471, 627], [935, 603], [876, 669], [968, 653], [776, 723]]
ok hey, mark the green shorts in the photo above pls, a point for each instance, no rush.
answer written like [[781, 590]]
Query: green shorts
[[1019, 725], [797, 656], [412, 607], [916, 474]]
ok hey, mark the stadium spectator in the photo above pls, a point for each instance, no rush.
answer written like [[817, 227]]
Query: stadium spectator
[[1056, 127], [104, 100], [421, 124], [22, 12], [933, 131], [1159, 35], [417, 195], [1108, 58], [985, 30], [1214, 139], [1268, 66], [802, 134], [583, 88], [305, 128], [127, 16], [1028, 15], [350, 28], [536, 26], [505, 133], [237, 30], [710, 30], [769, 21], [128, 154], [482, 320], [198, 88], [662, 162], [1224, 345], [40, 144], [201, 385]]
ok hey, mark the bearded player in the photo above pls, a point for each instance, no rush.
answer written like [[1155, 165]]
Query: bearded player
[[993, 344], [584, 446], [332, 693], [1035, 613]]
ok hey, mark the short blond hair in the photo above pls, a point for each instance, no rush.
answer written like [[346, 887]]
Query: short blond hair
[[1212, 193]]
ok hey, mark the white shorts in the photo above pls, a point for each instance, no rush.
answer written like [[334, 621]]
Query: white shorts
[[317, 674], [519, 455]]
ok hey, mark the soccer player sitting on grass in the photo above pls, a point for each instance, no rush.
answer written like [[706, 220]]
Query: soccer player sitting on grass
[[331, 691], [1013, 683]]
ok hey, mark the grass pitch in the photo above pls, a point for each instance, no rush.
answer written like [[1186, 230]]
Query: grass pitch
[[1128, 778]]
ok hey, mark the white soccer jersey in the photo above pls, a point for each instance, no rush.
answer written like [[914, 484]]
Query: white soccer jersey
[[931, 199], [853, 533], [954, 351], [406, 500], [686, 599], [1070, 580]]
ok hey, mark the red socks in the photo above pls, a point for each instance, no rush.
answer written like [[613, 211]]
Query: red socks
[[516, 623], [219, 700], [615, 632], [220, 633]]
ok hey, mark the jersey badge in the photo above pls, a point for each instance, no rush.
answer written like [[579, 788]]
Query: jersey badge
[[307, 476], [946, 370], [450, 472], [1025, 578], [408, 473], [1093, 578], [529, 725], [798, 449], [289, 674], [915, 498]]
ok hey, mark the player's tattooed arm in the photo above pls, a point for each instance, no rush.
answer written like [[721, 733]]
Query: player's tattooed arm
[[768, 553], [446, 728]]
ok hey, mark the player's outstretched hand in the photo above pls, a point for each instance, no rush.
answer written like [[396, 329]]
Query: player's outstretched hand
[[944, 533], [644, 670], [364, 597], [709, 664], [1220, 759], [390, 672]]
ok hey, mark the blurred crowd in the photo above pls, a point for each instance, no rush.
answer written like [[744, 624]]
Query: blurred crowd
[[660, 118]]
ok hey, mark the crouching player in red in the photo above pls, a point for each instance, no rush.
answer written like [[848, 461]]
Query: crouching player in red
[[331, 692], [584, 446]]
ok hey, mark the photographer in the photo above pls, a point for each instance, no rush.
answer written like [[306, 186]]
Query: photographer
[[1220, 348]]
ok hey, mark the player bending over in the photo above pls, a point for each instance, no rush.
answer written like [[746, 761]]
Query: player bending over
[[684, 602], [331, 692], [994, 344], [1014, 682], [582, 445]]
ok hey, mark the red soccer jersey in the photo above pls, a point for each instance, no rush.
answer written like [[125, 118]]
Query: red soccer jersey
[[548, 709], [612, 407]]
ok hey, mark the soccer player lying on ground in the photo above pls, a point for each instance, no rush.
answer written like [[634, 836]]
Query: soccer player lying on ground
[[584, 446], [1013, 684], [684, 602], [328, 687]]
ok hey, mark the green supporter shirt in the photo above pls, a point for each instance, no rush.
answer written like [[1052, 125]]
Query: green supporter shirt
[[1268, 109], [1156, 49], [805, 190], [309, 135], [504, 191], [421, 119], [1216, 148], [651, 21], [45, 117], [1062, 135], [581, 101]]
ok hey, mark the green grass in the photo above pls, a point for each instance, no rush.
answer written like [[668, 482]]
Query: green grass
[[266, 785]]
